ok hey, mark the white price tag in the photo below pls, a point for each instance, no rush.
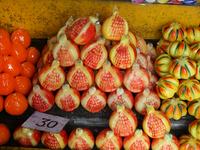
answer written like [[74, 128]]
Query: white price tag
[[45, 122]]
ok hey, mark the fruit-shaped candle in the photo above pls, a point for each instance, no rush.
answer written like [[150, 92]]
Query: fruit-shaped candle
[[54, 140], [66, 51], [26, 137], [153, 81], [67, 98], [138, 141], [93, 99], [193, 35], [179, 48], [174, 31], [141, 44], [80, 77], [83, 30], [151, 51], [155, 123], [174, 108], [195, 54], [167, 86], [65, 29], [107, 140], [187, 142], [194, 129], [123, 121], [114, 26], [108, 78], [136, 78], [189, 89], [52, 76], [169, 141], [161, 47], [162, 64], [147, 97], [41, 99], [81, 138], [182, 67], [120, 96], [194, 108], [94, 54], [141, 59], [132, 38], [123, 54]]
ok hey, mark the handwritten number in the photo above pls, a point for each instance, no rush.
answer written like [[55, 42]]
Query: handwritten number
[[50, 124]]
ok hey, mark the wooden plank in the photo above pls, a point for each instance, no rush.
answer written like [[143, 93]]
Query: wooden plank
[[42, 19]]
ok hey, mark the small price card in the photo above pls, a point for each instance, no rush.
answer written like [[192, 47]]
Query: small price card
[[45, 122]]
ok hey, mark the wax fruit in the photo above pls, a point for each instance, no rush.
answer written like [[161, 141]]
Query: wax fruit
[[189, 89], [151, 51], [153, 81], [107, 140], [161, 47], [187, 140], [65, 28], [162, 64], [83, 30], [179, 48], [174, 31], [120, 96], [141, 44], [41, 99], [94, 54], [141, 59], [123, 54], [144, 98], [132, 38], [194, 129], [67, 98], [136, 78], [169, 141], [93, 99], [194, 108], [123, 121], [80, 77], [182, 67], [108, 78], [114, 26], [54, 140], [27, 137], [139, 140], [174, 108], [81, 138], [66, 51], [193, 35], [52, 76], [155, 123], [167, 86]]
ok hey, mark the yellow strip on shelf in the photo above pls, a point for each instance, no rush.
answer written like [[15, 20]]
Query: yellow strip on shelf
[[43, 18], [20, 148]]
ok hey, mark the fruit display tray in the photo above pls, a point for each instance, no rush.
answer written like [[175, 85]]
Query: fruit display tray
[[80, 117]]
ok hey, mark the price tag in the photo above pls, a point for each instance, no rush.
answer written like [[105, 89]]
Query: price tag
[[45, 122]]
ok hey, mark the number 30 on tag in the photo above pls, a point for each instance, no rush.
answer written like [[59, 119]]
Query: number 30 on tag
[[45, 122]]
